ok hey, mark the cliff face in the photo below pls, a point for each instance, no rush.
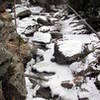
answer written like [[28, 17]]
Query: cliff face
[[12, 81]]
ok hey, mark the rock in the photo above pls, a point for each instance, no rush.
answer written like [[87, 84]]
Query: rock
[[44, 92], [12, 76], [2, 6], [30, 30], [5, 60], [22, 12], [44, 29], [78, 80], [35, 71], [1, 95], [45, 21], [31, 52], [1, 24], [67, 85], [5, 16], [13, 83], [67, 52], [97, 83], [56, 35], [40, 37], [85, 98]]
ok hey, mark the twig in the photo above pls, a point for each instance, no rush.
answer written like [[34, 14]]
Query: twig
[[16, 26]]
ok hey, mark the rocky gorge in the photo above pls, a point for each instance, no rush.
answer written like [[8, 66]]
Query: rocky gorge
[[58, 59]]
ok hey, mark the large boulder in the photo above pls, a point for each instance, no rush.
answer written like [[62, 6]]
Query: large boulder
[[67, 52], [44, 21], [22, 12], [12, 76], [14, 83]]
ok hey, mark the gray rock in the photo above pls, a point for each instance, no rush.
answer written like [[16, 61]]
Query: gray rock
[[97, 83], [45, 22], [30, 30], [22, 12], [44, 92], [14, 82], [56, 35], [1, 24], [12, 76], [5, 60]]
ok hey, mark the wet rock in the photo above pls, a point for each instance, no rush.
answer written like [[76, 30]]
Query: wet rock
[[22, 12], [67, 85], [44, 92], [45, 21]]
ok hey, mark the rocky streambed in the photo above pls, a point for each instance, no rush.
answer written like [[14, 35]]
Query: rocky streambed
[[67, 55]]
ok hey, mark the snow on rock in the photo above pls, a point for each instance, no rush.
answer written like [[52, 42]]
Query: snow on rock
[[69, 51], [70, 48], [22, 11], [44, 29], [36, 10], [41, 37], [24, 23]]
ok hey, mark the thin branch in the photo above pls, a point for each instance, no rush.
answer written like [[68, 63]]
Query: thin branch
[[15, 16]]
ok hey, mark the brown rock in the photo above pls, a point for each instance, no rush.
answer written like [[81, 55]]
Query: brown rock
[[67, 85]]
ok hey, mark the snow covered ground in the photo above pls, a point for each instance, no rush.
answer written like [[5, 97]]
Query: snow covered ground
[[73, 43]]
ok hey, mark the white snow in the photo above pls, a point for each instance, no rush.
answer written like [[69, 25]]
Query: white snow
[[70, 47], [42, 37], [94, 94]]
